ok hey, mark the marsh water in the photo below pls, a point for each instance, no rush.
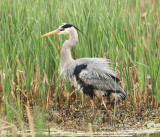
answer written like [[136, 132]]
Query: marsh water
[[59, 134], [154, 132]]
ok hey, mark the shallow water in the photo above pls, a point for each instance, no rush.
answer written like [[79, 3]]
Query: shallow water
[[53, 132]]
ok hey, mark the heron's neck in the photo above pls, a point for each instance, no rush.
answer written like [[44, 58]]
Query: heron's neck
[[66, 57]]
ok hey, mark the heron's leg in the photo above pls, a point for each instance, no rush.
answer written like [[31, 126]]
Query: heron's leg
[[71, 96], [92, 102], [72, 90], [104, 103], [105, 107]]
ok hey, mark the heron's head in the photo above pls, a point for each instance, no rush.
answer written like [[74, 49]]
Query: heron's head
[[64, 29]]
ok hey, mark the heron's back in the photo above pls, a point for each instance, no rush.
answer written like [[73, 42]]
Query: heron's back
[[95, 74]]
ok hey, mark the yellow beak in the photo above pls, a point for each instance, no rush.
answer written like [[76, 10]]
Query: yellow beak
[[51, 33]]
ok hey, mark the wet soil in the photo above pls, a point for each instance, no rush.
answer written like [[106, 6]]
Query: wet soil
[[77, 117]]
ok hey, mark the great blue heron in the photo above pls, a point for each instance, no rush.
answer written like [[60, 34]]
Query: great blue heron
[[92, 76]]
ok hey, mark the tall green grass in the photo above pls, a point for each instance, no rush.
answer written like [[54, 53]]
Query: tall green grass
[[126, 32]]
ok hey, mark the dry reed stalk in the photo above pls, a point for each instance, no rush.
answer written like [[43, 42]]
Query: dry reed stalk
[[104, 56], [90, 129], [22, 130], [30, 119], [123, 84], [48, 97], [131, 99], [136, 99], [4, 126], [47, 101]]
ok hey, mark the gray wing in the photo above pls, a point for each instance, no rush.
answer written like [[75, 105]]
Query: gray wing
[[99, 74]]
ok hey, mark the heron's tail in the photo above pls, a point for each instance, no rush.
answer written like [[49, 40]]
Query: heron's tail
[[120, 93]]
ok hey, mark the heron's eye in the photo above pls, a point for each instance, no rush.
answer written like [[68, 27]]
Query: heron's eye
[[61, 29]]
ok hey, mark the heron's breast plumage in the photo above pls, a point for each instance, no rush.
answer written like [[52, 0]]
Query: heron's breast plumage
[[82, 86]]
